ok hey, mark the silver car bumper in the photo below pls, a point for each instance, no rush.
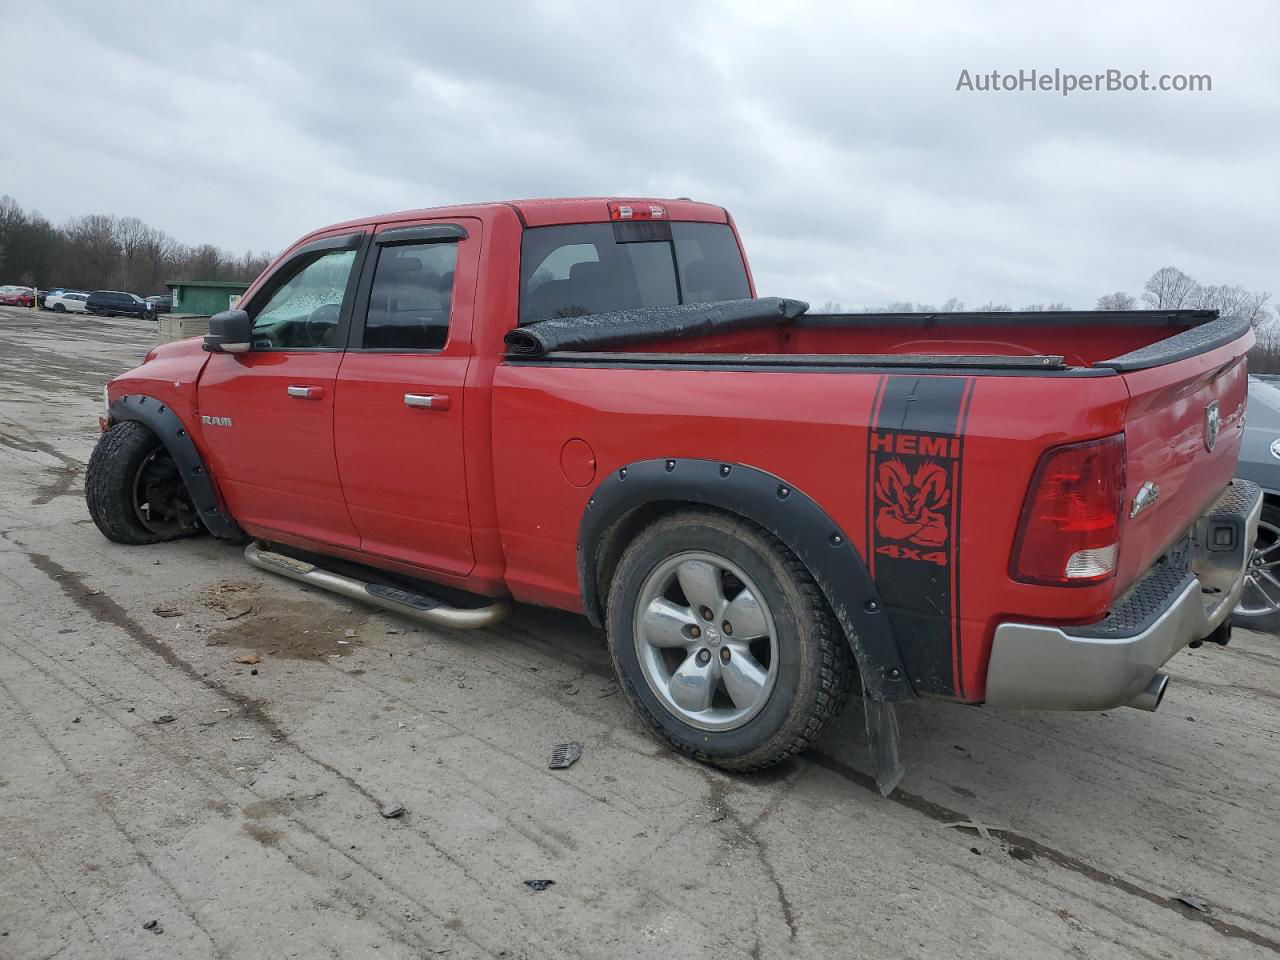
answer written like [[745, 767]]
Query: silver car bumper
[[1187, 595]]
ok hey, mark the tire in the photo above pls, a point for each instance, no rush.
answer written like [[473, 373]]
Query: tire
[[59, 308], [803, 651], [116, 478], [1259, 606], [149, 315]]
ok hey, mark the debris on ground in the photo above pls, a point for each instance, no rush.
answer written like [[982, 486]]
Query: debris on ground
[[981, 829], [154, 926], [565, 755], [165, 718], [238, 739], [166, 612], [348, 633], [238, 610], [1194, 902], [538, 884], [1021, 853], [392, 810], [247, 659]]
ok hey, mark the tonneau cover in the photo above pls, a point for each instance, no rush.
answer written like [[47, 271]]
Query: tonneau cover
[[648, 324]]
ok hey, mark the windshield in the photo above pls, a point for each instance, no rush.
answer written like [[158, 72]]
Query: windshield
[[585, 268]]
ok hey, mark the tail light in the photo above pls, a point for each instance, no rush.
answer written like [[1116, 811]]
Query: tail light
[[1070, 533], [636, 210]]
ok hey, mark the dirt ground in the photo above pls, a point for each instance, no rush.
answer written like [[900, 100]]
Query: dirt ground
[[145, 775]]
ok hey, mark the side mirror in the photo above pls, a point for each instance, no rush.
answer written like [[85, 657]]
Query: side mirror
[[230, 331]]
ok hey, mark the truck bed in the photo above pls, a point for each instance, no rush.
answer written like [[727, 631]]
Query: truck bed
[[1073, 340], [810, 399]]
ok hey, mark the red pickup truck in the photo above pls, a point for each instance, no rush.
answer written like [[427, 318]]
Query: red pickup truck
[[583, 404]]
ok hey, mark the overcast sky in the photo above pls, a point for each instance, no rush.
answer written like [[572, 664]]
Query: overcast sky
[[834, 132]]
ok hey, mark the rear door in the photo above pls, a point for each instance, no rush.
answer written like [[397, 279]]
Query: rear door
[[267, 415], [400, 395]]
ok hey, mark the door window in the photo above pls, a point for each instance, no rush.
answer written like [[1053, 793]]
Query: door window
[[303, 312], [411, 297]]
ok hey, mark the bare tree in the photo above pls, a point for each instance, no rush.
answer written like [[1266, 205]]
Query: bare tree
[[1116, 301], [992, 307], [1169, 289], [1234, 302], [953, 305]]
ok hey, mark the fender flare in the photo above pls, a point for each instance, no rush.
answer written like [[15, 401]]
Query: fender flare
[[168, 426], [777, 506]]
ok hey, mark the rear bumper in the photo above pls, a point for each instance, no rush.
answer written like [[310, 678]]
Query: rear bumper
[[1187, 594]]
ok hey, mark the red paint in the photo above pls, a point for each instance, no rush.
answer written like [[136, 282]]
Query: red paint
[[488, 493]]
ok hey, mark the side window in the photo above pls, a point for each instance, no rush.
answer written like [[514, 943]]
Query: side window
[[303, 311], [411, 297]]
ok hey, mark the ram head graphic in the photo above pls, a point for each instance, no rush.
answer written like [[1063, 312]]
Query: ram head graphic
[[911, 504]]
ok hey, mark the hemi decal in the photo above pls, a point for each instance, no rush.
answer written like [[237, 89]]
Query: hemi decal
[[915, 455]]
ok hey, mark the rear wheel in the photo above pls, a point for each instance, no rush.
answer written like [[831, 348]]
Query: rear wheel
[[134, 490], [59, 308], [1259, 606], [723, 642]]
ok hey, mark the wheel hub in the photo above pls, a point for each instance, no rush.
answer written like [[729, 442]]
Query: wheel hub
[[706, 641]]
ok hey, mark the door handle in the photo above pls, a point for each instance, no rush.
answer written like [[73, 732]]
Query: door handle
[[427, 401], [306, 393]]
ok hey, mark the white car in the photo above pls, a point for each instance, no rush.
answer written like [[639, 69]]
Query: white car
[[66, 302]]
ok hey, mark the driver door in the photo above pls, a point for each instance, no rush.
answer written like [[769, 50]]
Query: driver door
[[267, 415]]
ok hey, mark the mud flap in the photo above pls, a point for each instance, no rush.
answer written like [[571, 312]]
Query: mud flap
[[882, 739]]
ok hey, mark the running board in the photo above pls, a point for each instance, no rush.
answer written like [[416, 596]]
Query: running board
[[405, 602]]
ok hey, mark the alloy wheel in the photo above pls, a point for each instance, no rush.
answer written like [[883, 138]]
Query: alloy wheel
[[706, 641]]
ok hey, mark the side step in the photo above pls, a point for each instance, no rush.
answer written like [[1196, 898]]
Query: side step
[[405, 602]]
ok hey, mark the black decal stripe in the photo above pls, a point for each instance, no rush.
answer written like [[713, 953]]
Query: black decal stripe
[[870, 552], [956, 619], [914, 452]]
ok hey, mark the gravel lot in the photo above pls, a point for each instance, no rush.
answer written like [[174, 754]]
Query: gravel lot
[[249, 825]]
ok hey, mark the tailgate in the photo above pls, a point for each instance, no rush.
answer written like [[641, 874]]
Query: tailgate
[[1183, 429]]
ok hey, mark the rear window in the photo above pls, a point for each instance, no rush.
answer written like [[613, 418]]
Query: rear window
[[574, 270]]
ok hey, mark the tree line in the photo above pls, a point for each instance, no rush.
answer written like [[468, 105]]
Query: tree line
[[101, 251], [1166, 289]]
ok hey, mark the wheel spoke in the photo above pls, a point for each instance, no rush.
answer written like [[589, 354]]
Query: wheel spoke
[[700, 582], [1265, 550], [1266, 575], [692, 686], [664, 622], [745, 616], [744, 678], [1255, 585]]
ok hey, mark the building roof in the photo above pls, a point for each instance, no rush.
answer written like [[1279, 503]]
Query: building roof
[[219, 284]]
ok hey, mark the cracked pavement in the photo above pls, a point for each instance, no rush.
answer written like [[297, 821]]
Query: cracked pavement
[[249, 825]]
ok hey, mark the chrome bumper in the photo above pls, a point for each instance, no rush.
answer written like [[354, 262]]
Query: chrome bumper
[[1187, 596]]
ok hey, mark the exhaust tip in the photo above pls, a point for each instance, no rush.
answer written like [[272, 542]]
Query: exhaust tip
[[1150, 698]]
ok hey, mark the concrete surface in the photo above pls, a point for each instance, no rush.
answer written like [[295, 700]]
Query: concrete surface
[[249, 825]]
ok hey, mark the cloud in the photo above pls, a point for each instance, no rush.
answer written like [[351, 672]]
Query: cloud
[[835, 134]]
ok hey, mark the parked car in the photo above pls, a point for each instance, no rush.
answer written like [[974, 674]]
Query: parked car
[[757, 503], [68, 301], [16, 296], [161, 304], [1259, 607], [113, 303]]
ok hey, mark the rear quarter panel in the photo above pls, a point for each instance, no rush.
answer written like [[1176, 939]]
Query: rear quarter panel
[[812, 430]]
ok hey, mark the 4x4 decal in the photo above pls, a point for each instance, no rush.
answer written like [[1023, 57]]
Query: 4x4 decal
[[915, 451]]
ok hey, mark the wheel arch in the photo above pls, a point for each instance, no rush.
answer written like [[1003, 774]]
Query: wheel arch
[[636, 494], [164, 422]]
